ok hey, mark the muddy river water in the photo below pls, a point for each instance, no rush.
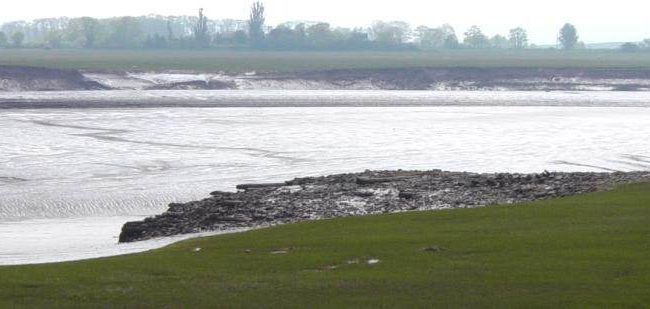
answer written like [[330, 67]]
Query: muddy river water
[[70, 176]]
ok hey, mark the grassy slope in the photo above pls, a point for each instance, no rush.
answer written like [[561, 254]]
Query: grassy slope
[[234, 61], [580, 251]]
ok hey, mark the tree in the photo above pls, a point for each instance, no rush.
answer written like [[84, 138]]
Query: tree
[[320, 35], [126, 33], [430, 38], [170, 31], [17, 39], [518, 38], [357, 39], [256, 24], [500, 42], [53, 39], [301, 34], [239, 37], [3, 40], [474, 38], [201, 31], [155, 41], [568, 36], [283, 37], [451, 42], [435, 38], [83, 32], [89, 29], [391, 33]]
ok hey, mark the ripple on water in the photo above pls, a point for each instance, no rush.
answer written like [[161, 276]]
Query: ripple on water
[[54, 166]]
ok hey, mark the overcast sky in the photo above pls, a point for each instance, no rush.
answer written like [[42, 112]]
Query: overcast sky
[[596, 20]]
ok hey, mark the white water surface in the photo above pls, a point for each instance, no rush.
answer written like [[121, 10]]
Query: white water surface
[[315, 98], [69, 178]]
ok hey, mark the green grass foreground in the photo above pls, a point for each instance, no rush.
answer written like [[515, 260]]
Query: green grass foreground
[[243, 61], [586, 251]]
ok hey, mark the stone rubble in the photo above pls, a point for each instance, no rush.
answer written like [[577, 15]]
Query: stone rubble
[[367, 193]]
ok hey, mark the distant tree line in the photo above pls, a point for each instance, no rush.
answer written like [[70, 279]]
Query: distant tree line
[[632, 47], [200, 32]]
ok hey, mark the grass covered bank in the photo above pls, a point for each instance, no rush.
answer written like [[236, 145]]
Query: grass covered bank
[[581, 251], [244, 61]]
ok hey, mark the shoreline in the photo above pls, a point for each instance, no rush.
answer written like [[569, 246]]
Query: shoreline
[[378, 186], [99, 251], [132, 99], [24, 78], [367, 193]]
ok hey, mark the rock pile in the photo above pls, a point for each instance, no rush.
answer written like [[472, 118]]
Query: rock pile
[[370, 192]]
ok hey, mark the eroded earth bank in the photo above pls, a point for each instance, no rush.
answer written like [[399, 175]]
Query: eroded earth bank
[[14, 78], [367, 193]]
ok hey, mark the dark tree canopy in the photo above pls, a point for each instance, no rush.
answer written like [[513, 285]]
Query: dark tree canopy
[[568, 36]]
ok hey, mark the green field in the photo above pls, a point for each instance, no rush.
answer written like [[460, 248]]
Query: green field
[[587, 251], [242, 61]]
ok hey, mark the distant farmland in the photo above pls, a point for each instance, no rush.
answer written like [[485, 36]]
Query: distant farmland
[[242, 61]]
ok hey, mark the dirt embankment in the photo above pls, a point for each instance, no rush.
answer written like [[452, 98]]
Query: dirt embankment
[[258, 205], [517, 79], [440, 79], [17, 78]]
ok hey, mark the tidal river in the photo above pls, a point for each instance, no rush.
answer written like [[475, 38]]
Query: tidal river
[[70, 177]]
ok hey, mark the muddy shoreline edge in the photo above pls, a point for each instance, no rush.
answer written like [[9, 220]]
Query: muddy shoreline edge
[[366, 193], [19, 78]]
